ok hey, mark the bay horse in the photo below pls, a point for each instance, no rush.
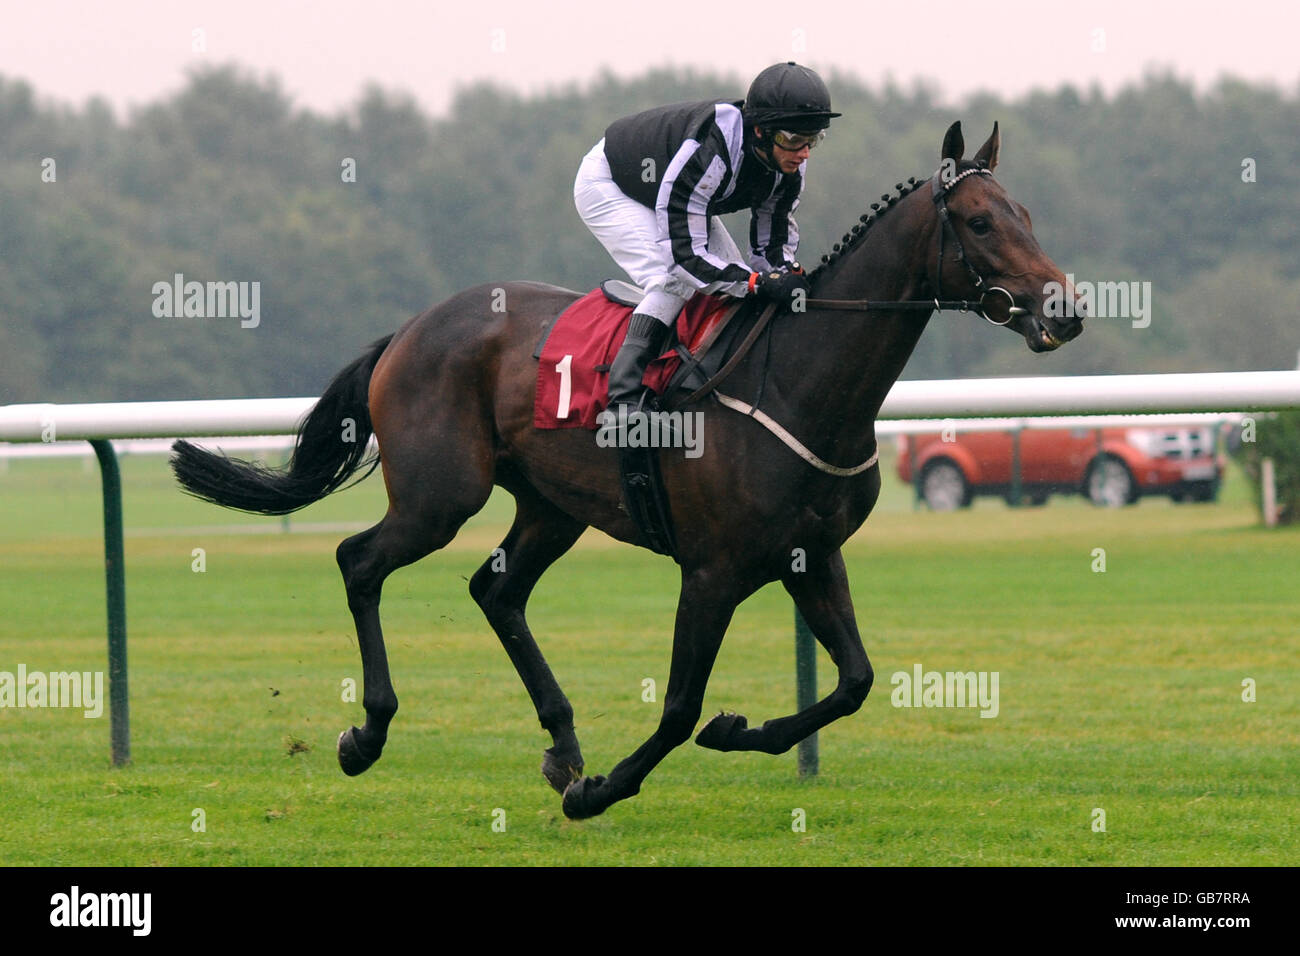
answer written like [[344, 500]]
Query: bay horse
[[449, 398]]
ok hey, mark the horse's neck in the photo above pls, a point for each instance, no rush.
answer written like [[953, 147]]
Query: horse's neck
[[838, 366]]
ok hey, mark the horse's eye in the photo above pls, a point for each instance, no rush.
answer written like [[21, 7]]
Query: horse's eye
[[980, 227]]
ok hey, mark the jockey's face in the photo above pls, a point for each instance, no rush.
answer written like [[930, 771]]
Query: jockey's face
[[787, 160]]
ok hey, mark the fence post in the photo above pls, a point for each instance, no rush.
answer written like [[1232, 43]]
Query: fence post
[[805, 676], [1268, 492], [1015, 464], [115, 582], [916, 475]]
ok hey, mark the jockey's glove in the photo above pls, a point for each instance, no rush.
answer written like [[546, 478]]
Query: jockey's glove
[[779, 286]]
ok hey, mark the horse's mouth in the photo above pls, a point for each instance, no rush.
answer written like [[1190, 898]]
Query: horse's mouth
[[1042, 339]]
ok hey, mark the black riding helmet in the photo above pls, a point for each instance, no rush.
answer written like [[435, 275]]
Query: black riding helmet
[[790, 97]]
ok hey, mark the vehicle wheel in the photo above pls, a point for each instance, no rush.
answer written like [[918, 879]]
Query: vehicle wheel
[[1204, 491], [1037, 500], [1110, 484], [944, 487]]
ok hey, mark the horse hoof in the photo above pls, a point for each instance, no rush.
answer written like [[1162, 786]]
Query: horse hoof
[[351, 759], [560, 772], [720, 733], [581, 798]]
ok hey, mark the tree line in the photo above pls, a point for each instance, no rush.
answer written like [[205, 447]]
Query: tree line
[[351, 223]]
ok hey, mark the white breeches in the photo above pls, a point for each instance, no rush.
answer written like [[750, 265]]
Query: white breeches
[[630, 233]]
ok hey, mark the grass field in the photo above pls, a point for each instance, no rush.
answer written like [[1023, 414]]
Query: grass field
[[1120, 691]]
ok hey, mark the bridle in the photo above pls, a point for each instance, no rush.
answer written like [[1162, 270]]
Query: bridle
[[939, 189], [940, 186]]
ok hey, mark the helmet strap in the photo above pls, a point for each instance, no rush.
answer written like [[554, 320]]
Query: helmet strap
[[765, 157]]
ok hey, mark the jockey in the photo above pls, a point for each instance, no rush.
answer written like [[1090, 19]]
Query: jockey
[[651, 191]]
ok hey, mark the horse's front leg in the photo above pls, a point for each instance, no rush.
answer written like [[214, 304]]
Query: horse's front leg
[[822, 595], [708, 599]]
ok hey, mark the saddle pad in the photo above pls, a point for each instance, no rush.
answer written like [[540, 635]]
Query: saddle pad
[[573, 369]]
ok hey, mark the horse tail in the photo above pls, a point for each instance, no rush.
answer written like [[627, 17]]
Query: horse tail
[[332, 445]]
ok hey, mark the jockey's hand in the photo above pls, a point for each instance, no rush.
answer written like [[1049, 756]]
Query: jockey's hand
[[779, 286]]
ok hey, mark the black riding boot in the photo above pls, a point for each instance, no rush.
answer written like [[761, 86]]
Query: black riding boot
[[643, 497], [646, 340]]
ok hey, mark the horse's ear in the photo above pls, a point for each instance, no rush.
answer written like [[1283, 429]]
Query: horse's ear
[[988, 153], [953, 144]]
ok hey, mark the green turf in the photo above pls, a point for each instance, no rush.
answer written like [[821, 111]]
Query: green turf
[[1119, 691]]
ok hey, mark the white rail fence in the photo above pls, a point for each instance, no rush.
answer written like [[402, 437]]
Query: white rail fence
[[961, 398], [1218, 392]]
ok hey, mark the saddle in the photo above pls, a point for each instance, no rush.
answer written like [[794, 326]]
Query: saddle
[[709, 348], [574, 353], [591, 331]]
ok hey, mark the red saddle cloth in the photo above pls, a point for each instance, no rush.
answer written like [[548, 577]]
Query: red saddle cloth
[[573, 373]]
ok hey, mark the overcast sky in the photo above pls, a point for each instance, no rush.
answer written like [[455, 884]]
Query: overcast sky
[[325, 51]]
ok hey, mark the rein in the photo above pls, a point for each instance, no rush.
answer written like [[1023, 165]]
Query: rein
[[939, 189]]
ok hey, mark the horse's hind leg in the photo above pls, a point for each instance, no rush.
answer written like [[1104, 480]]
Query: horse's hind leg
[[429, 499], [540, 535], [821, 593]]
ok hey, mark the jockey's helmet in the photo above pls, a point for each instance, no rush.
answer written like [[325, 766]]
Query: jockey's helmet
[[790, 97]]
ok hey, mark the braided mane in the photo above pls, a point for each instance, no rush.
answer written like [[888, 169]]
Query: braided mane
[[854, 236]]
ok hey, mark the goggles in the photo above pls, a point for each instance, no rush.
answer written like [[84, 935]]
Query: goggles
[[793, 142]]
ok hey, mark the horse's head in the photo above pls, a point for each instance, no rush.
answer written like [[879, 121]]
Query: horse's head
[[986, 250]]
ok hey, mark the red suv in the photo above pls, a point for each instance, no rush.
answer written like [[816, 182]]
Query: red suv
[[1112, 466]]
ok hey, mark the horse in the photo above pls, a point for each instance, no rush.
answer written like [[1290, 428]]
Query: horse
[[449, 400]]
